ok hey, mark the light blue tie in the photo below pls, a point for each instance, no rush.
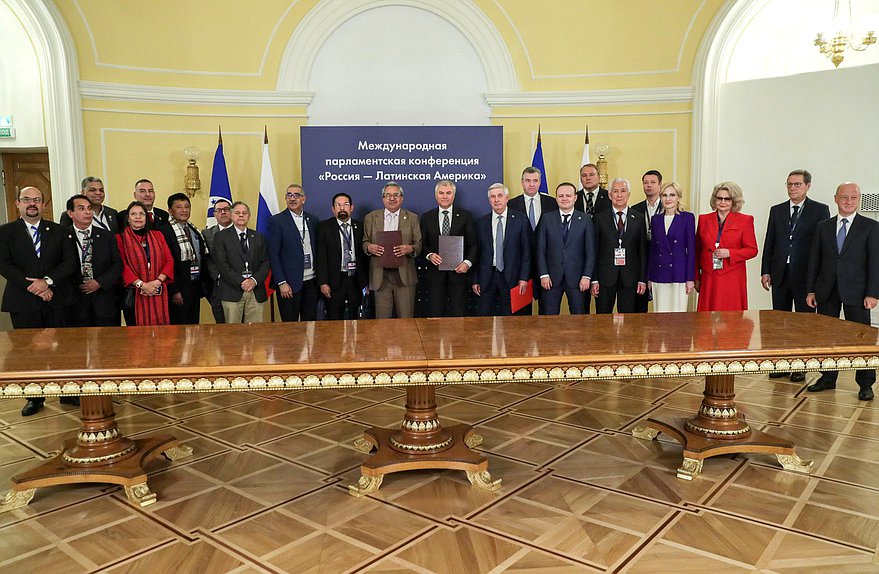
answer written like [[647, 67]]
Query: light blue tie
[[531, 216], [499, 244], [840, 237], [35, 235]]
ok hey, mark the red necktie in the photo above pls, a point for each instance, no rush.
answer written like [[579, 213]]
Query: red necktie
[[621, 225], [150, 217]]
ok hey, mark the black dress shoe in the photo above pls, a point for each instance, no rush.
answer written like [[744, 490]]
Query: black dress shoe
[[778, 375], [821, 384], [31, 408], [865, 394], [69, 401], [797, 377]]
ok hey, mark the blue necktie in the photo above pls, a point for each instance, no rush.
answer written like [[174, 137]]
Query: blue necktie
[[531, 217], [565, 227], [840, 237], [35, 235], [499, 244]]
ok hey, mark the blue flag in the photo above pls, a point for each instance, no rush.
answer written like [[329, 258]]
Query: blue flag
[[220, 188], [537, 161]]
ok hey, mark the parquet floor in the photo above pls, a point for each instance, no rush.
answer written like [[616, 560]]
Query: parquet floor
[[266, 489]]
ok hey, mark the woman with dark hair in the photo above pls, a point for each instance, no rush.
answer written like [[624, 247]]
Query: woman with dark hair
[[146, 266], [672, 261], [725, 241]]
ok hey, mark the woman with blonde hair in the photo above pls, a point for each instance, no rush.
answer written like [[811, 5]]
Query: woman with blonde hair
[[672, 262], [725, 241]]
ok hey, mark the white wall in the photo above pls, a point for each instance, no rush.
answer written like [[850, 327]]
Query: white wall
[[397, 65], [21, 98], [825, 122]]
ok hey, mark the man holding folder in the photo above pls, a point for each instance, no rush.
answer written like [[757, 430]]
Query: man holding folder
[[392, 238], [449, 239], [504, 255]]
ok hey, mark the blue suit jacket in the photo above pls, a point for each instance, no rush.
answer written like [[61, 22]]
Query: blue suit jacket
[[566, 261], [285, 248], [673, 254], [517, 249]]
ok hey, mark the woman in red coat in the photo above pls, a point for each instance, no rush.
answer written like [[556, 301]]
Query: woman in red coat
[[146, 266], [725, 240]]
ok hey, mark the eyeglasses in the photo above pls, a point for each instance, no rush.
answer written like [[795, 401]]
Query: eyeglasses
[[718, 198], [29, 200], [341, 205], [393, 195], [221, 210], [795, 184], [295, 195]]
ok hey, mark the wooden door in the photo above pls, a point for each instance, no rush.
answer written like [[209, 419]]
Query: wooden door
[[23, 170]]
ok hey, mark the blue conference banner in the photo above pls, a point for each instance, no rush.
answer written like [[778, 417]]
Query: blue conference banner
[[359, 160]]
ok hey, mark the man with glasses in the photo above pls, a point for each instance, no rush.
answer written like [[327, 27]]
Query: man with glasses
[[341, 272], [394, 287], [789, 236], [105, 217], [38, 260], [843, 274], [292, 251], [242, 259], [223, 215]]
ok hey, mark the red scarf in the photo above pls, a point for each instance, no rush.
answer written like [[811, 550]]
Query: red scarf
[[148, 310]]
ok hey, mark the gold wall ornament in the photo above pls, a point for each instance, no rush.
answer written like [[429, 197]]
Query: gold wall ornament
[[191, 182], [844, 38], [601, 164]]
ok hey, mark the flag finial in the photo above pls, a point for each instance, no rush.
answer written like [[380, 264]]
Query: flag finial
[[266, 132], [219, 135], [587, 134]]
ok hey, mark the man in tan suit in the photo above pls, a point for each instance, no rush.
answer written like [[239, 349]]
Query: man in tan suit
[[394, 287]]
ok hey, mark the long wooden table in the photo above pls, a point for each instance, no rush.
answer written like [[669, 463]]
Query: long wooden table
[[418, 354]]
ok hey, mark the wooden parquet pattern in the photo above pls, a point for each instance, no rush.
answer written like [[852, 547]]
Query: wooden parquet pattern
[[266, 489]]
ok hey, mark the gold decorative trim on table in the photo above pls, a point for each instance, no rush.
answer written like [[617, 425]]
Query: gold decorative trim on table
[[433, 377]]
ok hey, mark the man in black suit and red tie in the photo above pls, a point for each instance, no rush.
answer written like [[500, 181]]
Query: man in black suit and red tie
[[99, 268], [342, 270], [843, 274], [789, 237], [145, 193], [37, 259], [448, 290], [621, 244]]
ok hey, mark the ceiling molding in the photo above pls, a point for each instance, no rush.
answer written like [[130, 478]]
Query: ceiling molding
[[198, 96], [683, 94]]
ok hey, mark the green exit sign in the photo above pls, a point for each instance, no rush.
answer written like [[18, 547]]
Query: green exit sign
[[7, 132]]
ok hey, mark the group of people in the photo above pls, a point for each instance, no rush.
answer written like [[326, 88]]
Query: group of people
[[582, 244]]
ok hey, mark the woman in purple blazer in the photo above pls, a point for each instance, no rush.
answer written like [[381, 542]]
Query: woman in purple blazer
[[672, 262]]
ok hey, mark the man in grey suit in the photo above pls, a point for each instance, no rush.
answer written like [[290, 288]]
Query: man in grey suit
[[789, 237], [843, 274], [242, 259], [223, 215], [565, 254], [394, 287]]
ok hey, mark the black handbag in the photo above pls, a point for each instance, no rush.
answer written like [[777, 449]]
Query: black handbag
[[128, 298]]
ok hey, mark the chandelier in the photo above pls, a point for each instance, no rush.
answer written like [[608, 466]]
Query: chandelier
[[844, 38]]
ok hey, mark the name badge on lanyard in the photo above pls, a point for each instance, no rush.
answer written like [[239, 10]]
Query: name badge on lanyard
[[619, 255], [717, 262], [306, 261]]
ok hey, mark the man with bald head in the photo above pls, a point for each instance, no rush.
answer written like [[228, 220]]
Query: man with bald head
[[38, 260], [843, 275]]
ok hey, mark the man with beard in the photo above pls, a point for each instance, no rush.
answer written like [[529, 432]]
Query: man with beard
[[340, 273], [37, 259]]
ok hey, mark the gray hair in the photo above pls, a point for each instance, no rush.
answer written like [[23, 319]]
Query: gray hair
[[499, 186], [623, 181]]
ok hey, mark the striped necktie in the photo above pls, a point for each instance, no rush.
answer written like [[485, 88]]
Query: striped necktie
[[35, 236]]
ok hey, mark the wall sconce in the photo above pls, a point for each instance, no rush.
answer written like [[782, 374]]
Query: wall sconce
[[601, 164], [191, 183]]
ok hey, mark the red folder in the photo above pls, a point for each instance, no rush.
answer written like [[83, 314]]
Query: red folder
[[518, 301]]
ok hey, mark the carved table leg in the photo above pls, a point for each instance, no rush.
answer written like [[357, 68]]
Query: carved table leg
[[421, 442], [718, 428], [100, 453]]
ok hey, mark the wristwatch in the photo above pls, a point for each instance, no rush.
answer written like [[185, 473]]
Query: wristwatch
[[48, 281]]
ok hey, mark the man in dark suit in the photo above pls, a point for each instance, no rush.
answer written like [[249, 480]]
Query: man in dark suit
[[99, 268], [591, 198], [105, 217], [292, 251], [651, 182], [843, 274], [190, 253], [621, 240], [223, 215], [146, 194], [394, 287], [565, 254], [242, 259], [789, 237], [341, 272], [533, 205], [448, 291], [504, 254], [37, 259]]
